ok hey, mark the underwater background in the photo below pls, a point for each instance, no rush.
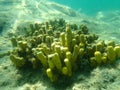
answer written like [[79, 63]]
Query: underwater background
[[91, 7], [102, 17]]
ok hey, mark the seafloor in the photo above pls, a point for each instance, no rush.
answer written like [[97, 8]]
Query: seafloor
[[19, 14]]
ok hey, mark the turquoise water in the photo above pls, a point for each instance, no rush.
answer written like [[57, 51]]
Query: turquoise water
[[91, 6]]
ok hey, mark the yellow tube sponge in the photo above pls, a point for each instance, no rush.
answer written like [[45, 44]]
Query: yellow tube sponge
[[98, 57], [46, 50], [32, 29], [69, 55], [81, 45], [50, 74], [22, 44], [54, 61], [99, 46], [81, 52], [68, 65], [117, 51], [50, 32], [93, 62], [14, 41], [57, 62], [49, 40], [65, 70], [34, 63], [77, 37], [51, 62], [73, 44], [111, 54], [18, 61], [36, 26], [63, 52], [42, 58], [111, 43], [68, 37], [104, 59], [75, 53], [62, 38], [82, 38], [58, 50]]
